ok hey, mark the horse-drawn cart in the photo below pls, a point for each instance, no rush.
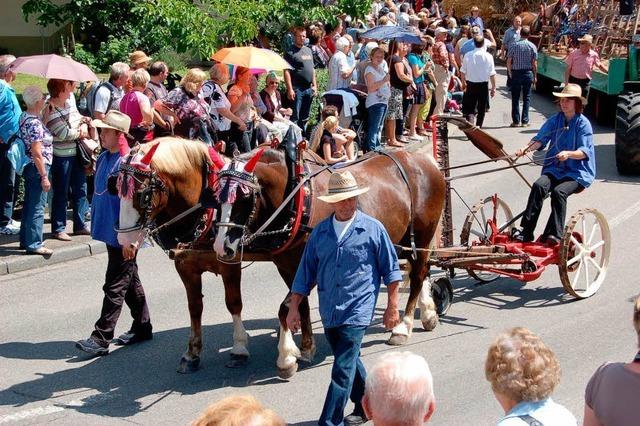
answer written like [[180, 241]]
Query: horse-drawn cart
[[487, 249]]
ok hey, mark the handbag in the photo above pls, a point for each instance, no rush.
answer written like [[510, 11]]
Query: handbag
[[409, 91], [87, 154]]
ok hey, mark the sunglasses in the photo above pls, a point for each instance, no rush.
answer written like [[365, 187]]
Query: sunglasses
[[273, 83]]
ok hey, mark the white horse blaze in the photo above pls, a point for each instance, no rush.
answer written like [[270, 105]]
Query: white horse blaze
[[225, 217], [288, 352], [240, 337]]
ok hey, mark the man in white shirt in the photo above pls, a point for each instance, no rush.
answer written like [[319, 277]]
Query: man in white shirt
[[108, 96], [339, 70], [476, 72]]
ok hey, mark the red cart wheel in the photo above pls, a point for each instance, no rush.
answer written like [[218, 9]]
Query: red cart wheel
[[584, 253], [476, 231]]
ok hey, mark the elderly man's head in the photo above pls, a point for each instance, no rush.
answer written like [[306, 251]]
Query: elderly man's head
[[342, 44], [399, 390], [5, 72]]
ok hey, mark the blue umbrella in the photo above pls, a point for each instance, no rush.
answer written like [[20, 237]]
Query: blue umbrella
[[386, 32]]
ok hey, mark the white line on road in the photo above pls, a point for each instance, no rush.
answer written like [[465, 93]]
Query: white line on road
[[626, 214], [50, 409]]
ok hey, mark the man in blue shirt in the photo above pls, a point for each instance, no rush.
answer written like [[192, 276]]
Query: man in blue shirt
[[9, 117], [475, 19], [569, 164], [347, 255], [122, 283], [522, 68]]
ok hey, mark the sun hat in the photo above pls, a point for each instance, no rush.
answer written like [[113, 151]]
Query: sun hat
[[440, 30], [115, 120], [342, 185], [587, 38], [138, 57], [368, 48], [571, 90]]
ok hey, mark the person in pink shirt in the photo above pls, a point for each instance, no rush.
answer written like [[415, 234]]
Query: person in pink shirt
[[137, 106], [580, 64]]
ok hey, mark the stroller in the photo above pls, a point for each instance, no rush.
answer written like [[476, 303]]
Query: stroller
[[354, 119]]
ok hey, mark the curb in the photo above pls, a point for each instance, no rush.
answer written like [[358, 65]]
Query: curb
[[20, 263]]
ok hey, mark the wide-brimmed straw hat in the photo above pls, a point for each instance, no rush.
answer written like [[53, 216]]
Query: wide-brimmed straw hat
[[115, 120], [342, 185], [587, 38], [138, 57], [571, 90]]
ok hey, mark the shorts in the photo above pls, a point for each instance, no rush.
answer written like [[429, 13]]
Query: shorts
[[394, 112], [420, 95]]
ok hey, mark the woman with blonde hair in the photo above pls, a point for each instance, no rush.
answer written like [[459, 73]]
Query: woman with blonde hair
[[330, 145], [189, 111], [612, 396], [137, 106], [523, 373], [238, 410]]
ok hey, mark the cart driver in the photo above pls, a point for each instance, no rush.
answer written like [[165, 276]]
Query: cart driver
[[569, 165]]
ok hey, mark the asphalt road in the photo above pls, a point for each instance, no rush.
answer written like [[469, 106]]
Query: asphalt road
[[44, 379]]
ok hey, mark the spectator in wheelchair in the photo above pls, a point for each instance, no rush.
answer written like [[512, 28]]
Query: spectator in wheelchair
[[331, 145], [523, 373], [612, 396]]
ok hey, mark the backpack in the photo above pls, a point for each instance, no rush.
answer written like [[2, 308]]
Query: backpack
[[17, 153], [87, 101]]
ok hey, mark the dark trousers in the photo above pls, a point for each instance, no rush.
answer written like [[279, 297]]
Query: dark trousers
[[7, 183], [584, 83], [302, 107], [475, 99], [560, 189], [67, 173], [122, 284], [521, 82], [242, 141], [406, 103], [33, 209], [347, 375]]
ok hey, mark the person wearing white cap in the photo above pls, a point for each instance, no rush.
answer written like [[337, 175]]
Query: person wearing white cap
[[569, 164], [440, 58], [580, 65], [346, 256], [122, 283]]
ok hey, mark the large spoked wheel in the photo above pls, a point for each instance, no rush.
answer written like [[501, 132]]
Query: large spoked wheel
[[584, 253], [476, 229]]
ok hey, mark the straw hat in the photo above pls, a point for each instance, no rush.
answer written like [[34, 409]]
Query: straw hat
[[571, 90], [115, 120], [587, 38], [342, 185], [138, 57]]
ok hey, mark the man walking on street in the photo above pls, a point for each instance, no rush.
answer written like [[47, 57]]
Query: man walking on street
[[9, 117], [347, 255], [122, 283], [580, 65], [301, 80], [476, 72], [522, 67]]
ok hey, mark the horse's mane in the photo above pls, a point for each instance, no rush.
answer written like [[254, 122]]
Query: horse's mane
[[175, 156]]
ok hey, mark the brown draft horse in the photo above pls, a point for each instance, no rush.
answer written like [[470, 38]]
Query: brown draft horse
[[546, 15], [248, 194]]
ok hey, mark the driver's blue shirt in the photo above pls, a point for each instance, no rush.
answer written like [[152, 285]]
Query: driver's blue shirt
[[577, 134], [105, 208], [347, 272]]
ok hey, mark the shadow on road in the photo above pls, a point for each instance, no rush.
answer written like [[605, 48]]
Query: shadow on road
[[130, 374]]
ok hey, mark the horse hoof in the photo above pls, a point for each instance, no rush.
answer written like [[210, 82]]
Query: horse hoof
[[397, 340], [307, 356], [287, 373], [237, 361], [430, 321], [188, 366]]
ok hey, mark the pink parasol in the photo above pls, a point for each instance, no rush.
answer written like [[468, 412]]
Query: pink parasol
[[53, 66]]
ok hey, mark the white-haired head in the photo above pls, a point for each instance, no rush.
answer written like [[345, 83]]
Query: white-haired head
[[342, 43], [399, 390], [31, 95], [5, 62], [368, 48]]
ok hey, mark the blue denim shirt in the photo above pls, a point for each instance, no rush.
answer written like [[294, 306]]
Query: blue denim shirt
[[578, 136], [347, 272], [105, 208], [545, 411], [9, 112], [510, 36]]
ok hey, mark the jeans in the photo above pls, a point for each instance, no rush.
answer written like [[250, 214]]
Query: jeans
[[560, 190], [347, 375], [32, 210], [243, 141], [302, 107], [375, 121], [521, 81], [122, 284], [7, 182], [67, 173]]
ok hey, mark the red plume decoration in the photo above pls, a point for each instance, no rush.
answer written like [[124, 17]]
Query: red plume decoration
[[146, 160], [251, 164]]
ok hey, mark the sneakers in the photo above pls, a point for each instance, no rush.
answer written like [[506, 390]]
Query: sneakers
[[92, 347], [519, 236], [354, 419], [130, 338], [514, 125], [12, 228]]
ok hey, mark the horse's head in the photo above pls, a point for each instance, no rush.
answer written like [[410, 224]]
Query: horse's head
[[140, 190], [236, 193]]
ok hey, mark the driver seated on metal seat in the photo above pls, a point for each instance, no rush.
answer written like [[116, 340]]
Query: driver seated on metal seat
[[569, 165]]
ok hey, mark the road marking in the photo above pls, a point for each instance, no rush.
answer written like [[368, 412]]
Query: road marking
[[51, 409], [628, 213]]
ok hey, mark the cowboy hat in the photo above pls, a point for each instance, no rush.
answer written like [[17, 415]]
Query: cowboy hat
[[342, 185], [138, 57], [115, 120], [587, 38], [571, 90]]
